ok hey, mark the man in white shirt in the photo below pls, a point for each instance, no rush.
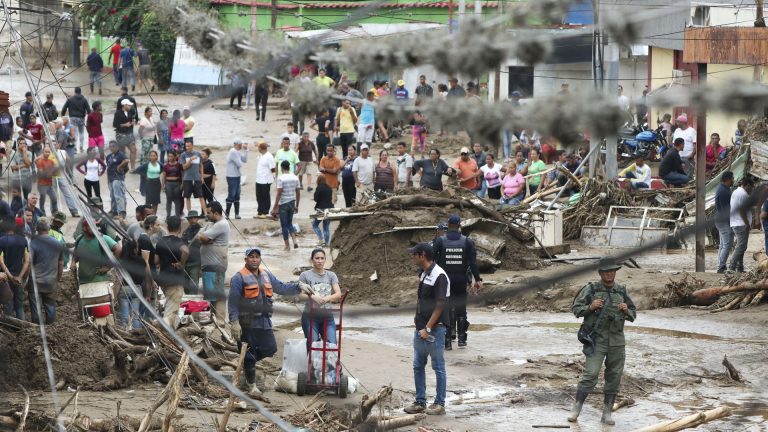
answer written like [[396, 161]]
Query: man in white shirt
[[741, 221], [404, 167], [622, 100], [362, 171], [291, 134], [265, 172], [639, 173], [689, 149]]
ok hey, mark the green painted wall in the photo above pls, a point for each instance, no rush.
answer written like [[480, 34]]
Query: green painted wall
[[311, 18]]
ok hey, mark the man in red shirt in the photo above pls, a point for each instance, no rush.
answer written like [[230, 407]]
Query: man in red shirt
[[34, 133], [46, 168], [114, 54]]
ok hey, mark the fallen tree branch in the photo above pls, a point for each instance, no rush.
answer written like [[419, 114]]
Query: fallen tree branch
[[17, 323], [732, 371], [367, 404], [691, 421], [169, 422], [401, 421], [24, 412], [235, 380], [166, 393]]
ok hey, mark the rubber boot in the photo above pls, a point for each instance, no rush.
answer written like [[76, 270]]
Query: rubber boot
[[237, 209], [448, 344], [608, 409], [577, 405], [229, 207], [250, 382], [462, 327]]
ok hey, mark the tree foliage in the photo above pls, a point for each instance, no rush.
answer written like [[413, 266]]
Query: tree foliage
[[161, 44]]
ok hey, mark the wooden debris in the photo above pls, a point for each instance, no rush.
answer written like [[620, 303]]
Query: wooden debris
[[691, 421], [235, 380], [367, 403], [625, 402], [402, 421], [24, 412], [732, 371], [177, 378]]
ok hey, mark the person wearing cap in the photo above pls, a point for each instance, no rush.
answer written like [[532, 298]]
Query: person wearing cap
[[604, 305], [265, 176], [723, 219], [236, 159], [214, 240], [189, 125], [431, 321], [78, 107], [688, 134], [307, 156], [250, 312], [50, 112], [123, 122], [440, 230], [14, 263], [468, 171], [455, 90], [639, 173], [192, 268], [457, 255], [58, 220], [671, 168], [26, 108], [363, 172], [117, 164], [172, 256], [47, 256], [287, 203], [401, 93], [344, 124]]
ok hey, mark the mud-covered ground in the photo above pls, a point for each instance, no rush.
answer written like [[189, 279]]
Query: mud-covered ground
[[522, 349]]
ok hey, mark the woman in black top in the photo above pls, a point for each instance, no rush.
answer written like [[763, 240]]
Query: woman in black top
[[209, 176], [321, 124], [432, 171], [323, 200]]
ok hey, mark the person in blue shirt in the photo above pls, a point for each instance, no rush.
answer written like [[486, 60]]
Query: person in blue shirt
[[250, 312], [126, 65], [401, 93], [95, 65], [366, 122], [723, 219]]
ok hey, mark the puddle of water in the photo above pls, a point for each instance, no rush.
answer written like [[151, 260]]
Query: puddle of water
[[652, 331], [480, 327]]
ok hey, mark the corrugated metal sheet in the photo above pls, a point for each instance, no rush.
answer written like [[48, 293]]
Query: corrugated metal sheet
[[726, 45]]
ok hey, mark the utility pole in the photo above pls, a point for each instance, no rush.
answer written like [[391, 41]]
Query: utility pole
[[274, 14], [254, 20], [450, 17], [497, 75], [594, 141], [701, 178], [612, 63]]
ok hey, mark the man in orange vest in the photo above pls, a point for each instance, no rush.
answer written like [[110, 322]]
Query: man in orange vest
[[250, 312]]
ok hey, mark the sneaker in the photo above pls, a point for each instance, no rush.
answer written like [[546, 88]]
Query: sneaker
[[295, 245], [237, 217], [721, 270], [435, 409], [415, 408], [309, 189]]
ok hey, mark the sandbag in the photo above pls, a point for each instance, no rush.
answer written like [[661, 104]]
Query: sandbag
[[294, 356]]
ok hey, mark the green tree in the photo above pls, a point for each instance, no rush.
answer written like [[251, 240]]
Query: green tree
[[161, 44]]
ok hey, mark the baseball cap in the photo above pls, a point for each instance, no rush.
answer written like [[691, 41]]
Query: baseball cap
[[682, 118], [364, 147], [249, 251], [193, 214], [19, 222], [464, 150], [126, 102], [60, 217], [263, 144], [454, 219], [517, 94], [28, 94], [238, 141], [400, 82], [421, 248]]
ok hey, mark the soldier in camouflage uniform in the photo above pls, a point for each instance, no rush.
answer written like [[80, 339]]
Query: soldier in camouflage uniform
[[613, 297]]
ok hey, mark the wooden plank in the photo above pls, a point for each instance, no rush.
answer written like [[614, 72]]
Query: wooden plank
[[726, 45]]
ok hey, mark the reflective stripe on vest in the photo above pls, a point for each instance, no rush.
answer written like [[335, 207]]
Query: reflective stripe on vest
[[251, 288]]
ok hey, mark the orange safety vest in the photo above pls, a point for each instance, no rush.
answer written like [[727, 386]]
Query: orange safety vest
[[251, 287]]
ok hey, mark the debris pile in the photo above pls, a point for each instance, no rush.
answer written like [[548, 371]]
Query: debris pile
[[741, 290], [678, 292], [371, 240], [596, 198]]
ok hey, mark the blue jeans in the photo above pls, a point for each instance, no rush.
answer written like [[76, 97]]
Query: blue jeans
[[742, 237], [117, 74], [765, 233], [59, 183], [676, 178], [128, 72], [421, 350], [48, 307], [726, 243], [506, 139], [79, 122], [317, 329], [480, 193], [233, 189], [130, 307], [325, 234], [94, 77], [515, 200], [285, 212], [117, 191]]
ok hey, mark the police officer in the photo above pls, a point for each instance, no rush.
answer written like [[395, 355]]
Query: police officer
[[250, 312], [456, 254], [440, 231], [605, 305]]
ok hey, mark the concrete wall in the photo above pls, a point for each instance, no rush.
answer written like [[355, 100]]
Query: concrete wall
[[660, 22], [39, 29], [719, 76], [662, 63]]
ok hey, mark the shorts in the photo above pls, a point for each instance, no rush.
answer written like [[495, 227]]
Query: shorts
[[303, 168], [213, 286], [124, 140], [96, 142], [192, 188], [145, 72]]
